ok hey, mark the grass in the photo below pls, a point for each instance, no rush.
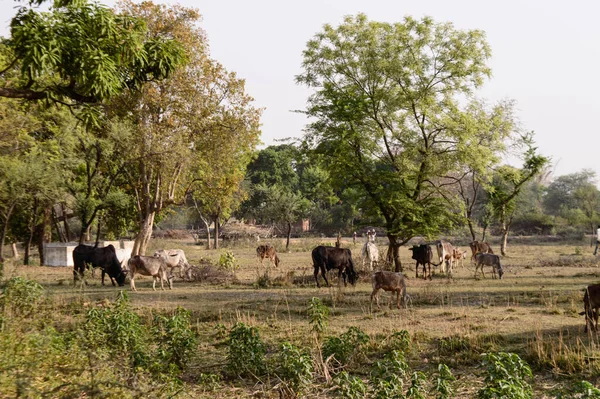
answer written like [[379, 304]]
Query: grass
[[533, 311]]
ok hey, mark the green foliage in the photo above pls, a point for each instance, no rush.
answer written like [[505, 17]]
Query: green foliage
[[417, 386], [227, 262], [442, 382], [120, 329], [506, 376], [319, 316], [21, 296], [346, 346], [350, 387], [176, 342], [387, 376], [245, 351], [581, 390], [400, 340], [210, 382], [294, 366]]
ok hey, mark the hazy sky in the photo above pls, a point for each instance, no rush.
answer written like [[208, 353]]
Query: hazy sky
[[545, 55]]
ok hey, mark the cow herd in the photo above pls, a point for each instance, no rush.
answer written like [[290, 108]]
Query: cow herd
[[164, 263]]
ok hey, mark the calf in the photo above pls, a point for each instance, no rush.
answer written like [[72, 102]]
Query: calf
[[591, 306], [458, 255], [492, 260], [176, 259], [267, 251], [479, 247], [389, 281], [149, 266], [423, 255]]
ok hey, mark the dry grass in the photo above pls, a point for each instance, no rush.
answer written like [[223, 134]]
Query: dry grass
[[533, 310]]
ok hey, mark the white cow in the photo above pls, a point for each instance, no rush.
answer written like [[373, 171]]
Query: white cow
[[176, 259], [371, 253]]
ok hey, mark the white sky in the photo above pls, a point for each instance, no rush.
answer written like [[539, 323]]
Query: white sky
[[545, 55]]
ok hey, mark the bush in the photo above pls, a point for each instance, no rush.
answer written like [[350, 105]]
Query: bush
[[228, 262], [294, 368], [346, 346], [21, 297], [246, 351], [319, 315], [176, 341], [506, 376]]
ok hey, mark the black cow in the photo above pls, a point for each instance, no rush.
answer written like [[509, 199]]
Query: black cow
[[105, 258], [327, 258], [423, 255]]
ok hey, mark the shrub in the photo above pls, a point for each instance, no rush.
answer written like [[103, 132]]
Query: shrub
[[399, 340], [581, 390], [21, 297], [228, 262], [246, 351], [442, 386], [387, 376], [346, 346], [175, 338], [294, 368], [349, 387], [505, 377]]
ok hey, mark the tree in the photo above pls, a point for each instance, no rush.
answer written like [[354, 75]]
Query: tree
[[80, 52], [507, 185], [180, 121], [389, 114]]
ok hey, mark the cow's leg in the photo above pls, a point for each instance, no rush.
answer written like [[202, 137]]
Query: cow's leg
[[317, 276], [131, 283], [374, 294], [342, 274], [397, 298], [324, 274], [417, 270], [430, 277], [154, 283]]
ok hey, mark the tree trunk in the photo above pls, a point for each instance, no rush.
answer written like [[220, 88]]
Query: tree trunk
[[59, 233], [143, 237], [14, 250], [289, 234], [471, 229], [216, 221], [45, 232], [5, 230], [28, 246], [484, 231], [393, 254], [207, 227], [98, 233], [504, 232], [65, 223]]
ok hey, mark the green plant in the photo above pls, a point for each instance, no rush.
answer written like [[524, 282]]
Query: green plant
[[209, 382], [399, 340], [442, 382], [417, 386], [176, 342], [349, 387], [228, 262], [294, 367], [246, 351], [220, 331], [21, 296], [387, 376], [581, 390], [506, 376], [346, 346], [319, 316]]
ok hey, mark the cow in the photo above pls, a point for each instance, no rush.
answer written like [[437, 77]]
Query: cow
[[105, 258], [424, 256], [155, 266], [176, 259], [327, 258], [458, 255], [492, 260], [591, 306], [445, 252], [480, 247], [389, 281], [267, 251], [370, 252]]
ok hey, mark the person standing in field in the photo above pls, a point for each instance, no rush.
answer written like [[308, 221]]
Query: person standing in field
[[354, 238], [597, 240]]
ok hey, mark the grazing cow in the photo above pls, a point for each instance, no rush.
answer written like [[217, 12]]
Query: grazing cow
[[267, 251], [488, 260], [176, 259], [370, 252], [389, 281], [105, 258], [591, 306], [327, 258], [445, 252], [424, 256], [156, 267], [480, 247], [459, 255]]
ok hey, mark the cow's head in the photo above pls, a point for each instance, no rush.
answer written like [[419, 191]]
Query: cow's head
[[500, 273], [352, 277], [121, 278]]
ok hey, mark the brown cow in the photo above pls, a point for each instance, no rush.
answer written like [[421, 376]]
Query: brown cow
[[459, 255], [591, 305], [156, 267], [267, 251], [480, 247], [389, 281]]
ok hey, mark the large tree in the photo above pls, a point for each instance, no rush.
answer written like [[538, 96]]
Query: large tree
[[389, 112]]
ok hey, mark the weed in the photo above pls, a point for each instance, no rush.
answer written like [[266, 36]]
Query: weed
[[345, 347], [294, 368], [21, 297], [209, 382], [387, 376], [176, 340], [416, 389], [319, 316], [350, 387], [246, 351], [581, 390], [227, 262], [442, 383], [399, 340], [506, 376]]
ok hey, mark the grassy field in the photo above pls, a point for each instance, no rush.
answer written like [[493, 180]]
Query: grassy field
[[533, 312]]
